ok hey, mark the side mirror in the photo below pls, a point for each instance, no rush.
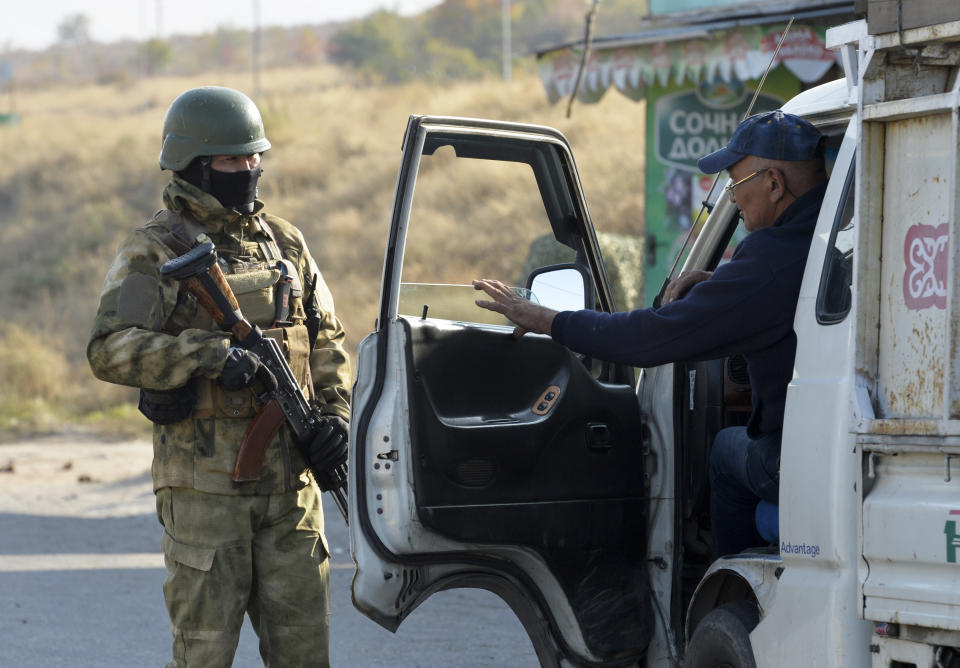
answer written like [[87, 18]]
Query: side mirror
[[562, 287]]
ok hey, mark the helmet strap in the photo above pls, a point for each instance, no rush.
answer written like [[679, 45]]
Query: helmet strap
[[197, 173], [205, 173]]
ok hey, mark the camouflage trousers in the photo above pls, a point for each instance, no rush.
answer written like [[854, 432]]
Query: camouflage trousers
[[263, 555]]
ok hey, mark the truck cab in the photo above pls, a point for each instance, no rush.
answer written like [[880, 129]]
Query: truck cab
[[576, 489]]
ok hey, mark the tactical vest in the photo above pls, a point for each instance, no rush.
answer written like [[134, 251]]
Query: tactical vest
[[269, 290]]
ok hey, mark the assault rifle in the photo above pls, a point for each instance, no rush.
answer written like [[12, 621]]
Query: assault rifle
[[198, 272]]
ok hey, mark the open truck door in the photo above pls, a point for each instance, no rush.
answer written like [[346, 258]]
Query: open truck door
[[483, 460]]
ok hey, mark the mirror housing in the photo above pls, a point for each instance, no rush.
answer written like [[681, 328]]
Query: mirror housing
[[562, 287]]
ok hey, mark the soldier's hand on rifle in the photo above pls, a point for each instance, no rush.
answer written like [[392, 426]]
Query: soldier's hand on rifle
[[242, 369], [328, 450]]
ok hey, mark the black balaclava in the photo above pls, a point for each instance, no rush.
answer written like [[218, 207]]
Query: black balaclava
[[234, 190]]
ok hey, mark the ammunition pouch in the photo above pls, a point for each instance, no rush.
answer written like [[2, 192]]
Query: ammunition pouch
[[168, 406]]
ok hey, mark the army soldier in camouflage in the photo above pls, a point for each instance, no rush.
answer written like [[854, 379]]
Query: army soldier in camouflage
[[230, 547]]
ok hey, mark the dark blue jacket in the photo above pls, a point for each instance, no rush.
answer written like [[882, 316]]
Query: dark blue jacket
[[747, 306]]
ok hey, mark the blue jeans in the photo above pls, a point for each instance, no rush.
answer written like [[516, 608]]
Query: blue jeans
[[742, 471]]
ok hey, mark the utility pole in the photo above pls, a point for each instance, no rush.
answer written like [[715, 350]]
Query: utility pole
[[6, 77], [159, 15], [505, 32], [255, 57]]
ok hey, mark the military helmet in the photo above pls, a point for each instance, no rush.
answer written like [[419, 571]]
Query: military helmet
[[210, 120]]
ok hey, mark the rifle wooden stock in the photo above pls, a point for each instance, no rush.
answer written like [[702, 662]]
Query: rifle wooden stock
[[195, 288], [253, 448], [238, 325]]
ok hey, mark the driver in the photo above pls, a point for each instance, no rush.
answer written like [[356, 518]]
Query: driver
[[746, 306]]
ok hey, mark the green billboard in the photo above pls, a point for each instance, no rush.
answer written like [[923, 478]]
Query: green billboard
[[685, 123]]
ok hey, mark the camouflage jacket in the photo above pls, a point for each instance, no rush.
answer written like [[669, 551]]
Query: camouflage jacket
[[150, 334]]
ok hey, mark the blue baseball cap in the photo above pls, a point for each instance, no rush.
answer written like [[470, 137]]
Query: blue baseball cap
[[771, 134]]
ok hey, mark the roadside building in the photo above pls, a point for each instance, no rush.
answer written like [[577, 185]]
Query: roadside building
[[695, 65]]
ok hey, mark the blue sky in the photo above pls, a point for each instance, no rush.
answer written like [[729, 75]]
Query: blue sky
[[33, 24]]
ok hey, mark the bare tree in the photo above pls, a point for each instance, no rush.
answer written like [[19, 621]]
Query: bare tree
[[74, 30]]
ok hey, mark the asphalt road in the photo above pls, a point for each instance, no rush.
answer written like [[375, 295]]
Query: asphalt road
[[81, 576]]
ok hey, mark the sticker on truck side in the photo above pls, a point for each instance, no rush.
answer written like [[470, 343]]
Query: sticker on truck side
[[925, 278], [953, 539], [812, 551]]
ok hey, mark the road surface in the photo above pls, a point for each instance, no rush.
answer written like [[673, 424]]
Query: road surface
[[81, 575]]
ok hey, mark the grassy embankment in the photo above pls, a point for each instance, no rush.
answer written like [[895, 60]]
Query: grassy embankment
[[80, 171]]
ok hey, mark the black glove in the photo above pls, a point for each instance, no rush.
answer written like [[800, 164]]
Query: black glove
[[242, 369], [331, 479], [328, 449]]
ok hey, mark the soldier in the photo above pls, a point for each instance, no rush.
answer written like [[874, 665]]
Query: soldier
[[230, 547]]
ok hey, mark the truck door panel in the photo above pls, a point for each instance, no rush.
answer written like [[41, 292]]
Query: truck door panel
[[481, 443], [482, 459], [567, 482]]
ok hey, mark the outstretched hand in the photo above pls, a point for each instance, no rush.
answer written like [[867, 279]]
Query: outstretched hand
[[527, 316], [681, 285]]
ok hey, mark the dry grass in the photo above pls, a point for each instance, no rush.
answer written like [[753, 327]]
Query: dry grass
[[81, 172]]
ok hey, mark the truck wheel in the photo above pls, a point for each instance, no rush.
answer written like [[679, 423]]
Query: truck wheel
[[722, 639]]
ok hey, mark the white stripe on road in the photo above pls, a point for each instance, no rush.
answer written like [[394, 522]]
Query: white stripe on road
[[12, 563], [23, 563]]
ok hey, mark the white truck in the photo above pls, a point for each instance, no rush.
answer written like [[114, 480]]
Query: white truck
[[578, 495]]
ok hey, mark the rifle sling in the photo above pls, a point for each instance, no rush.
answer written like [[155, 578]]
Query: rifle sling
[[176, 237]]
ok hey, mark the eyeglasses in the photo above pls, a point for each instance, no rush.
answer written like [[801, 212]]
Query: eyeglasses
[[729, 188]]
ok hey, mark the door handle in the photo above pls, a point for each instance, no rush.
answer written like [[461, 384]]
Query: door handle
[[599, 436]]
